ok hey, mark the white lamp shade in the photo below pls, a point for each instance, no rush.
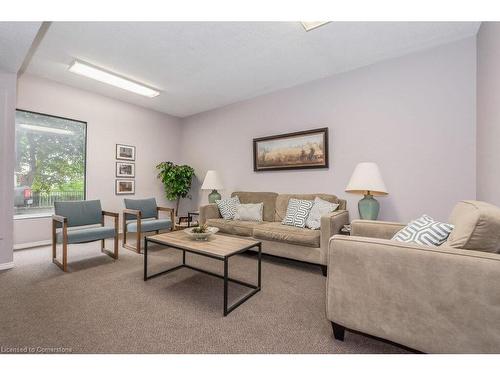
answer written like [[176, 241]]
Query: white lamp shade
[[212, 181], [366, 178]]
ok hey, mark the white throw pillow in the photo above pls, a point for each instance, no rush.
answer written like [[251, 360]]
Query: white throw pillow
[[297, 212], [424, 231], [249, 212], [320, 207], [227, 207]]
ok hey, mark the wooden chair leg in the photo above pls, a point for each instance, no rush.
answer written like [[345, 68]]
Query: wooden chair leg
[[116, 245], [138, 244], [65, 256], [54, 240], [124, 239]]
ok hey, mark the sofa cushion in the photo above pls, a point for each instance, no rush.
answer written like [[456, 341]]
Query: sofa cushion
[[236, 227], [249, 211], [477, 226], [89, 234], [282, 202], [297, 212], [424, 231], [149, 225], [284, 233], [320, 207], [227, 207], [269, 200]]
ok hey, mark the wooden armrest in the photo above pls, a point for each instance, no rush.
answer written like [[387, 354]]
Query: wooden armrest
[[59, 218], [132, 212], [108, 213], [167, 209]]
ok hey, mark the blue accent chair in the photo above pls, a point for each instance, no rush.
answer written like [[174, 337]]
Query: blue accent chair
[[141, 216], [70, 225]]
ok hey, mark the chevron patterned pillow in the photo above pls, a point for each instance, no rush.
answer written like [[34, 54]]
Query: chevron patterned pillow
[[227, 207], [424, 231], [297, 212]]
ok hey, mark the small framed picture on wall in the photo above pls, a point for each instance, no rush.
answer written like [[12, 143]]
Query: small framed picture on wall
[[125, 187], [125, 152], [125, 170]]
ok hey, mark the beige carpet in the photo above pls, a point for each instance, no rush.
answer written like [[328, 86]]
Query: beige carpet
[[104, 306]]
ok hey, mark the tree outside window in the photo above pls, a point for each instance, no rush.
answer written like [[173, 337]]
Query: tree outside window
[[50, 162]]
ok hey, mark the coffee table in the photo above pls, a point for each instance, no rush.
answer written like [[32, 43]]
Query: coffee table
[[218, 247]]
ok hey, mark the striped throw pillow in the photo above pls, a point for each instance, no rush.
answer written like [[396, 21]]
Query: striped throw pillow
[[424, 231], [227, 207], [297, 212]]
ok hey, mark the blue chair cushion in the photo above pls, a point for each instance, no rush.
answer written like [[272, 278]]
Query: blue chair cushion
[[149, 225], [146, 206], [81, 235], [79, 213]]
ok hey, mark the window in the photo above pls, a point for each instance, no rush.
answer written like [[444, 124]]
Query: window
[[50, 162]]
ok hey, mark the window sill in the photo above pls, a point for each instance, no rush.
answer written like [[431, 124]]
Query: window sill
[[32, 216]]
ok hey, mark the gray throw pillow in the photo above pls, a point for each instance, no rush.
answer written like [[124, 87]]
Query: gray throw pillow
[[320, 208], [249, 212], [227, 207], [297, 212], [424, 231]]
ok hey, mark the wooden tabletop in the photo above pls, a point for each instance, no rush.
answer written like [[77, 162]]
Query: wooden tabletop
[[217, 245]]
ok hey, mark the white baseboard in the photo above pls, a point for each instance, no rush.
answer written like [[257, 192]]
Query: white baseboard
[[6, 266], [29, 245]]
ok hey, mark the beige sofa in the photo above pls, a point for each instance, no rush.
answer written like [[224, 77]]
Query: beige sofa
[[305, 245], [433, 299]]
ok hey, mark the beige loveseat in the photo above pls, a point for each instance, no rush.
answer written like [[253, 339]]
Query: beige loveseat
[[442, 299], [282, 240]]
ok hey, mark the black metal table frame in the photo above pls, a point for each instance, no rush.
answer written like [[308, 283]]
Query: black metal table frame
[[225, 277]]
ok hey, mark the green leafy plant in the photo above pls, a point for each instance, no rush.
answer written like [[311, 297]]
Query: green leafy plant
[[201, 229], [176, 180]]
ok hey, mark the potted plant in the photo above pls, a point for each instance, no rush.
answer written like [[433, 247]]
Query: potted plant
[[176, 180]]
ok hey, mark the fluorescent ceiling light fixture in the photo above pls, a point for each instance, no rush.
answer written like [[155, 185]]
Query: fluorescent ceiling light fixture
[[308, 26], [45, 129], [90, 71]]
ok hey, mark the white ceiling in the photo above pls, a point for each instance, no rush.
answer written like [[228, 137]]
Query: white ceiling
[[199, 66], [15, 41]]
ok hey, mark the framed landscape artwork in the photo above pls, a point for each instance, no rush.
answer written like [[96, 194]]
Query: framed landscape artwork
[[300, 150], [124, 187], [125, 152], [125, 170]]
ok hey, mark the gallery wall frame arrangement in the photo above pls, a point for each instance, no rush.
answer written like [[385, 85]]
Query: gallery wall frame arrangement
[[125, 170], [125, 152], [298, 150], [124, 187]]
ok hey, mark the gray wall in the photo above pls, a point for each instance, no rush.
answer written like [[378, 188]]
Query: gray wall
[[7, 108], [488, 112], [415, 116], [155, 135]]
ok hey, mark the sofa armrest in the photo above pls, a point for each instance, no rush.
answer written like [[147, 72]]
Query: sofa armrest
[[375, 229], [433, 299], [209, 211], [331, 225]]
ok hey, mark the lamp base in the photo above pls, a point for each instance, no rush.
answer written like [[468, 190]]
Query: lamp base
[[213, 196], [368, 208]]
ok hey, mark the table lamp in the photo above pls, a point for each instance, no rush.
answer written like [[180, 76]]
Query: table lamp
[[212, 182], [367, 180]]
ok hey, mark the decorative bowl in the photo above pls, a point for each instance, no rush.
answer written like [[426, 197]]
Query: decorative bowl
[[201, 236]]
